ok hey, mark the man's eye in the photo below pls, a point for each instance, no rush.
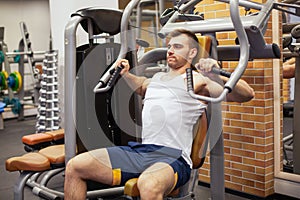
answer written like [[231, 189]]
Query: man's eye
[[177, 46]]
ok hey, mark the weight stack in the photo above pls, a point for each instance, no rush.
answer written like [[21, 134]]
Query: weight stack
[[48, 117]]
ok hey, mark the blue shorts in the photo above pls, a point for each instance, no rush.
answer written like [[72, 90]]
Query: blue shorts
[[130, 161]]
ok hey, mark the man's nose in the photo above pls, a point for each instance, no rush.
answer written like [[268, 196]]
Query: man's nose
[[170, 50]]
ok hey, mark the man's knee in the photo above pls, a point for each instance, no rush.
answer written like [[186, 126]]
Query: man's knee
[[93, 165], [71, 168], [157, 181], [76, 165], [151, 187]]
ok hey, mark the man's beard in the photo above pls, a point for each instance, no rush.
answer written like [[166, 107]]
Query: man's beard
[[175, 63]]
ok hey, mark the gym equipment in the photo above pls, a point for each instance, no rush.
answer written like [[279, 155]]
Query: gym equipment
[[239, 70], [290, 141], [38, 141], [115, 21], [254, 26], [32, 164], [2, 106], [23, 55], [3, 80], [269, 51], [92, 113], [4, 49], [16, 54], [289, 51], [48, 109], [1, 57], [31, 178], [154, 15], [25, 46], [16, 105], [46, 152], [13, 81], [296, 135]]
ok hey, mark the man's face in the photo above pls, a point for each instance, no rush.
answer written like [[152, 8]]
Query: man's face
[[178, 51]]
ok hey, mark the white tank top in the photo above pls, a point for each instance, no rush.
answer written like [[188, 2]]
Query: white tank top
[[169, 114]]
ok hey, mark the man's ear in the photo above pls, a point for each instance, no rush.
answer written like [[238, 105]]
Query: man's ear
[[193, 53]]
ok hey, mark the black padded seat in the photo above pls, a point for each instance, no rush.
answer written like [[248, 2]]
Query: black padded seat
[[104, 20]]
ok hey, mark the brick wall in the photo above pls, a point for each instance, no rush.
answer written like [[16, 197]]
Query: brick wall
[[248, 127]]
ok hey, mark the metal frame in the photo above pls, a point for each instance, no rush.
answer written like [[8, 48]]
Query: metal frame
[[252, 25], [294, 137], [24, 50], [156, 13]]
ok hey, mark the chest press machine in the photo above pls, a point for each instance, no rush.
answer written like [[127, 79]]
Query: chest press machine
[[251, 27]]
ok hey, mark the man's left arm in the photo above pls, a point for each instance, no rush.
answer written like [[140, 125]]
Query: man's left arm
[[242, 92]]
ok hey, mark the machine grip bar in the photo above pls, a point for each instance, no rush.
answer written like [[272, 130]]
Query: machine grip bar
[[111, 75], [190, 88], [189, 78], [215, 70], [114, 76], [221, 72]]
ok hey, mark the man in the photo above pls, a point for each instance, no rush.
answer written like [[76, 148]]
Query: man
[[289, 68], [162, 161]]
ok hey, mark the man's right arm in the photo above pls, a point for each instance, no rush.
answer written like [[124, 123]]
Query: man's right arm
[[137, 83], [289, 68]]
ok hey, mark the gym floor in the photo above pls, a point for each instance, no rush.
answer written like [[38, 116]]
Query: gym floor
[[11, 145]]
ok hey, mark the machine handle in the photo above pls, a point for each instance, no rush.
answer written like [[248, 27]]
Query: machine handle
[[124, 41], [45, 194], [215, 70], [220, 71], [190, 88], [189, 78], [112, 76], [115, 75], [243, 61]]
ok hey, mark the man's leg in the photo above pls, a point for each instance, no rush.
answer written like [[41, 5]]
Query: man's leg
[[93, 165], [156, 181]]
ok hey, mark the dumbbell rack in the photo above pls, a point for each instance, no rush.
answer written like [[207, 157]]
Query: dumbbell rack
[[48, 110]]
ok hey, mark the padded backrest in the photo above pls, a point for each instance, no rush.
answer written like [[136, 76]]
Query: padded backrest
[[200, 141], [103, 20], [205, 43], [200, 129]]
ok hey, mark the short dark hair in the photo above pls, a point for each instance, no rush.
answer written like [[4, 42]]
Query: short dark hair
[[194, 42]]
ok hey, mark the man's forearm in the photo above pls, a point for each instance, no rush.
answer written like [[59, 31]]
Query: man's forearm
[[242, 92]]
